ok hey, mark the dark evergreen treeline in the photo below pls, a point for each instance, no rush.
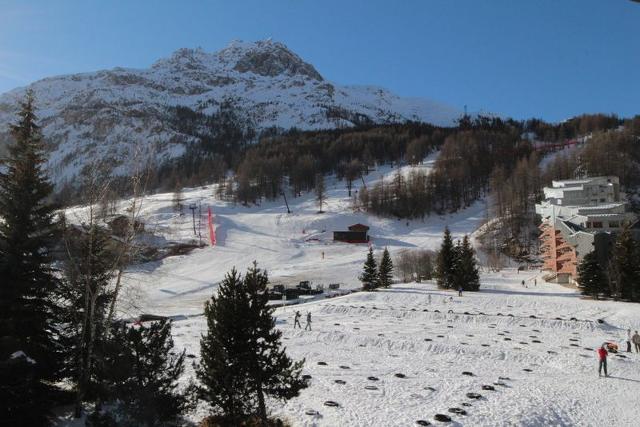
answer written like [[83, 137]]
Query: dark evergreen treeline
[[513, 197], [291, 161], [215, 143], [614, 152], [469, 154], [456, 266], [265, 164], [377, 274], [571, 128], [460, 176], [619, 277]]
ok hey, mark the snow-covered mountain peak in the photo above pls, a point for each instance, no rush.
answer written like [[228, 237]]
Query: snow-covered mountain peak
[[269, 58], [183, 57], [266, 58], [109, 114]]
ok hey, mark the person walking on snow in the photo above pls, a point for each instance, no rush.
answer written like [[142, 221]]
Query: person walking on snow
[[602, 356], [296, 320], [308, 325], [636, 341], [429, 300], [460, 291], [628, 340], [523, 283]]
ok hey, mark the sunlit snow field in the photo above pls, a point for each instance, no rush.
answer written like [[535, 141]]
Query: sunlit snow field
[[525, 335]]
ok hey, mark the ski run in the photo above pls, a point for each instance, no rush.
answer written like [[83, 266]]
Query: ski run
[[395, 357]]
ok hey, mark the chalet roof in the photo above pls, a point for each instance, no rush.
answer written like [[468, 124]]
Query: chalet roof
[[358, 227]]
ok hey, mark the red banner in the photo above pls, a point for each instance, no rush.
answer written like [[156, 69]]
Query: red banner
[[212, 230]]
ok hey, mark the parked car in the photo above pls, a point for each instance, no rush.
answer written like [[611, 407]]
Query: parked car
[[304, 285]]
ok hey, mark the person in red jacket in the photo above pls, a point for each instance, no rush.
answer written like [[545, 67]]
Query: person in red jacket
[[602, 356]]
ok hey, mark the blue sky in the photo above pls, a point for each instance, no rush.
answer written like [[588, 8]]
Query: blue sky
[[538, 58]]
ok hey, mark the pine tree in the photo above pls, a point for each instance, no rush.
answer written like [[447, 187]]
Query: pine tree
[[385, 270], [241, 355], [271, 371], [224, 384], [591, 276], [445, 262], [27, 235], [320, 191], [21, 392], [457, 278], [626, 265], [466, 275], [369, 276], [140, 374]]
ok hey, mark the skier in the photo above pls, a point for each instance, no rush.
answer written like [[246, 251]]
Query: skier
[[535, 282], [602, 356], [308, 325], [523, 283], [296, 320], [429, 301], [636, 341], [628, 340], [460, 291]]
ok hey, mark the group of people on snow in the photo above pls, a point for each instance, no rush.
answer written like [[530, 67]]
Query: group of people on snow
[[602, 351], [633, 339], [296, 321]]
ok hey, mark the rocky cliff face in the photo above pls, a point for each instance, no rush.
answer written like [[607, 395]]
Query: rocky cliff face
[[121, 116]]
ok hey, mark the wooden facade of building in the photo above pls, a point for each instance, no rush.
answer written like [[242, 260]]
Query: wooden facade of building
[[358, 233], [559, 256]]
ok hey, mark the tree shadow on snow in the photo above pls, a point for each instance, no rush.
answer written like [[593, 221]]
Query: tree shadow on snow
[[381, 241], [625, 379], [539, 294]]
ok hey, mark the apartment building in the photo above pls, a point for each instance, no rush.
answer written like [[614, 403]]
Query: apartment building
[[577, 217]]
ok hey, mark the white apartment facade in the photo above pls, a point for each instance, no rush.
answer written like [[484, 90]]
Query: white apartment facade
[[579, 216]]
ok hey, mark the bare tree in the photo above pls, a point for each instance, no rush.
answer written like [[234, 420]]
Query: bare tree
[[320, 191], [126, 252], [96, 261], [415, 264], [84, 257], [177, 201], [352, 171]]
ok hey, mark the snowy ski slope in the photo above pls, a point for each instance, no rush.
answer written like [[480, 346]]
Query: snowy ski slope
[[507, 329]]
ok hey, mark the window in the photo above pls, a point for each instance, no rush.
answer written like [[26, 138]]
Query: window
[[602, 200], [614, 224], [597, 224]]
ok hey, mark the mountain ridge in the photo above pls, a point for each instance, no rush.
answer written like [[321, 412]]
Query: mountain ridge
[[113, 114]]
